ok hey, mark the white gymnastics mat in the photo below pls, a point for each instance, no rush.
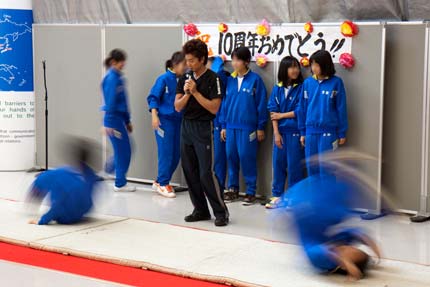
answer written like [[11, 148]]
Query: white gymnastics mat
[[224, 258]]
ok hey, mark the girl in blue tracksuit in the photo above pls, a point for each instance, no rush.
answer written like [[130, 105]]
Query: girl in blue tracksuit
[[117, 118], [166, 122], [283, 106], [216, 64], [323, 120], [70, 188], [319, 205], [244, 117]]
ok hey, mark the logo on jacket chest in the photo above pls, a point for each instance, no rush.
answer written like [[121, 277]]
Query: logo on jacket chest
[[331, 93], [248, 90]]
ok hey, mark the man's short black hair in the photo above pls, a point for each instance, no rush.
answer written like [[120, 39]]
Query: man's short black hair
[[197, 48], [323, 58], [242, 53]]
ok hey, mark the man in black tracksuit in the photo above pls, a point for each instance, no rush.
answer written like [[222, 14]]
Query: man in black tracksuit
[[199, 96]]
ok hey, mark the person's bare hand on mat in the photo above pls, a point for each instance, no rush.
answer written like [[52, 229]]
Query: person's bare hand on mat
[[32, 221], [342, 141], [354, 273]]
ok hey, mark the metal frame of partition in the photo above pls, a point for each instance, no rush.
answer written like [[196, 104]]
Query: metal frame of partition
[[378, 212], [423, 212], [420, 192]]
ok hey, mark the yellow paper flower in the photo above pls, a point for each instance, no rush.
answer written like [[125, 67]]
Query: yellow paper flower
[[309, 28], [304, 61], [263, 29], [222, 27], [348, 29]]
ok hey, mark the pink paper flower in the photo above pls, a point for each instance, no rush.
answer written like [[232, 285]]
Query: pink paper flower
[[191, 30], [347, 60], [261, 60]]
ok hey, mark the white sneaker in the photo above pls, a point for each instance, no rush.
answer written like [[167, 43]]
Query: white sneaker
[[166, 191], [155, 186], [125, 188]]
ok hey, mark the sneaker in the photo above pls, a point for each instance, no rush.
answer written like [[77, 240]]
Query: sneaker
[[231, 195], [221, 221], [274, 202], [125, 188], [155, 186], [166, 191], [249, 200], [193, 217]]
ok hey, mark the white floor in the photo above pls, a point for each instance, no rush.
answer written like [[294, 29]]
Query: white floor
[[399, 239]]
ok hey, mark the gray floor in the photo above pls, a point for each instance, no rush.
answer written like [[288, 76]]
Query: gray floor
[[399, 238]]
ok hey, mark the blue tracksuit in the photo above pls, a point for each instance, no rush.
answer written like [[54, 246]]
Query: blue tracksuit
[[322, 117], [291, 155], [70, 194], [220, 163], [162, 97], [318, 204], [117, 116], [244, 111]]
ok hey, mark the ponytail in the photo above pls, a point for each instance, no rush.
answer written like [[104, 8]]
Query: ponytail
[[116, 55], [176, 58], [107, 62], [169, 64]]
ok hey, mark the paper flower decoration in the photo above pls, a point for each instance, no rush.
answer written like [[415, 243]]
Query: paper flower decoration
[[263, 29], [309, 28], [191, 30], [222, 27], [304, 61], [347, 60], [348, 29], [261, 60]]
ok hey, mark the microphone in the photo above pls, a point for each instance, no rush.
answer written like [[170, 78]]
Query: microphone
[[188, 76]]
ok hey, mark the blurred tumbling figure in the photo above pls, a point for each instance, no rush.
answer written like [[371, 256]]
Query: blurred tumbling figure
[[319, 204], [70, 188]]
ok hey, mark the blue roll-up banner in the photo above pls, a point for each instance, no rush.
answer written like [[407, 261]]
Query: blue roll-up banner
[[17, 124]]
